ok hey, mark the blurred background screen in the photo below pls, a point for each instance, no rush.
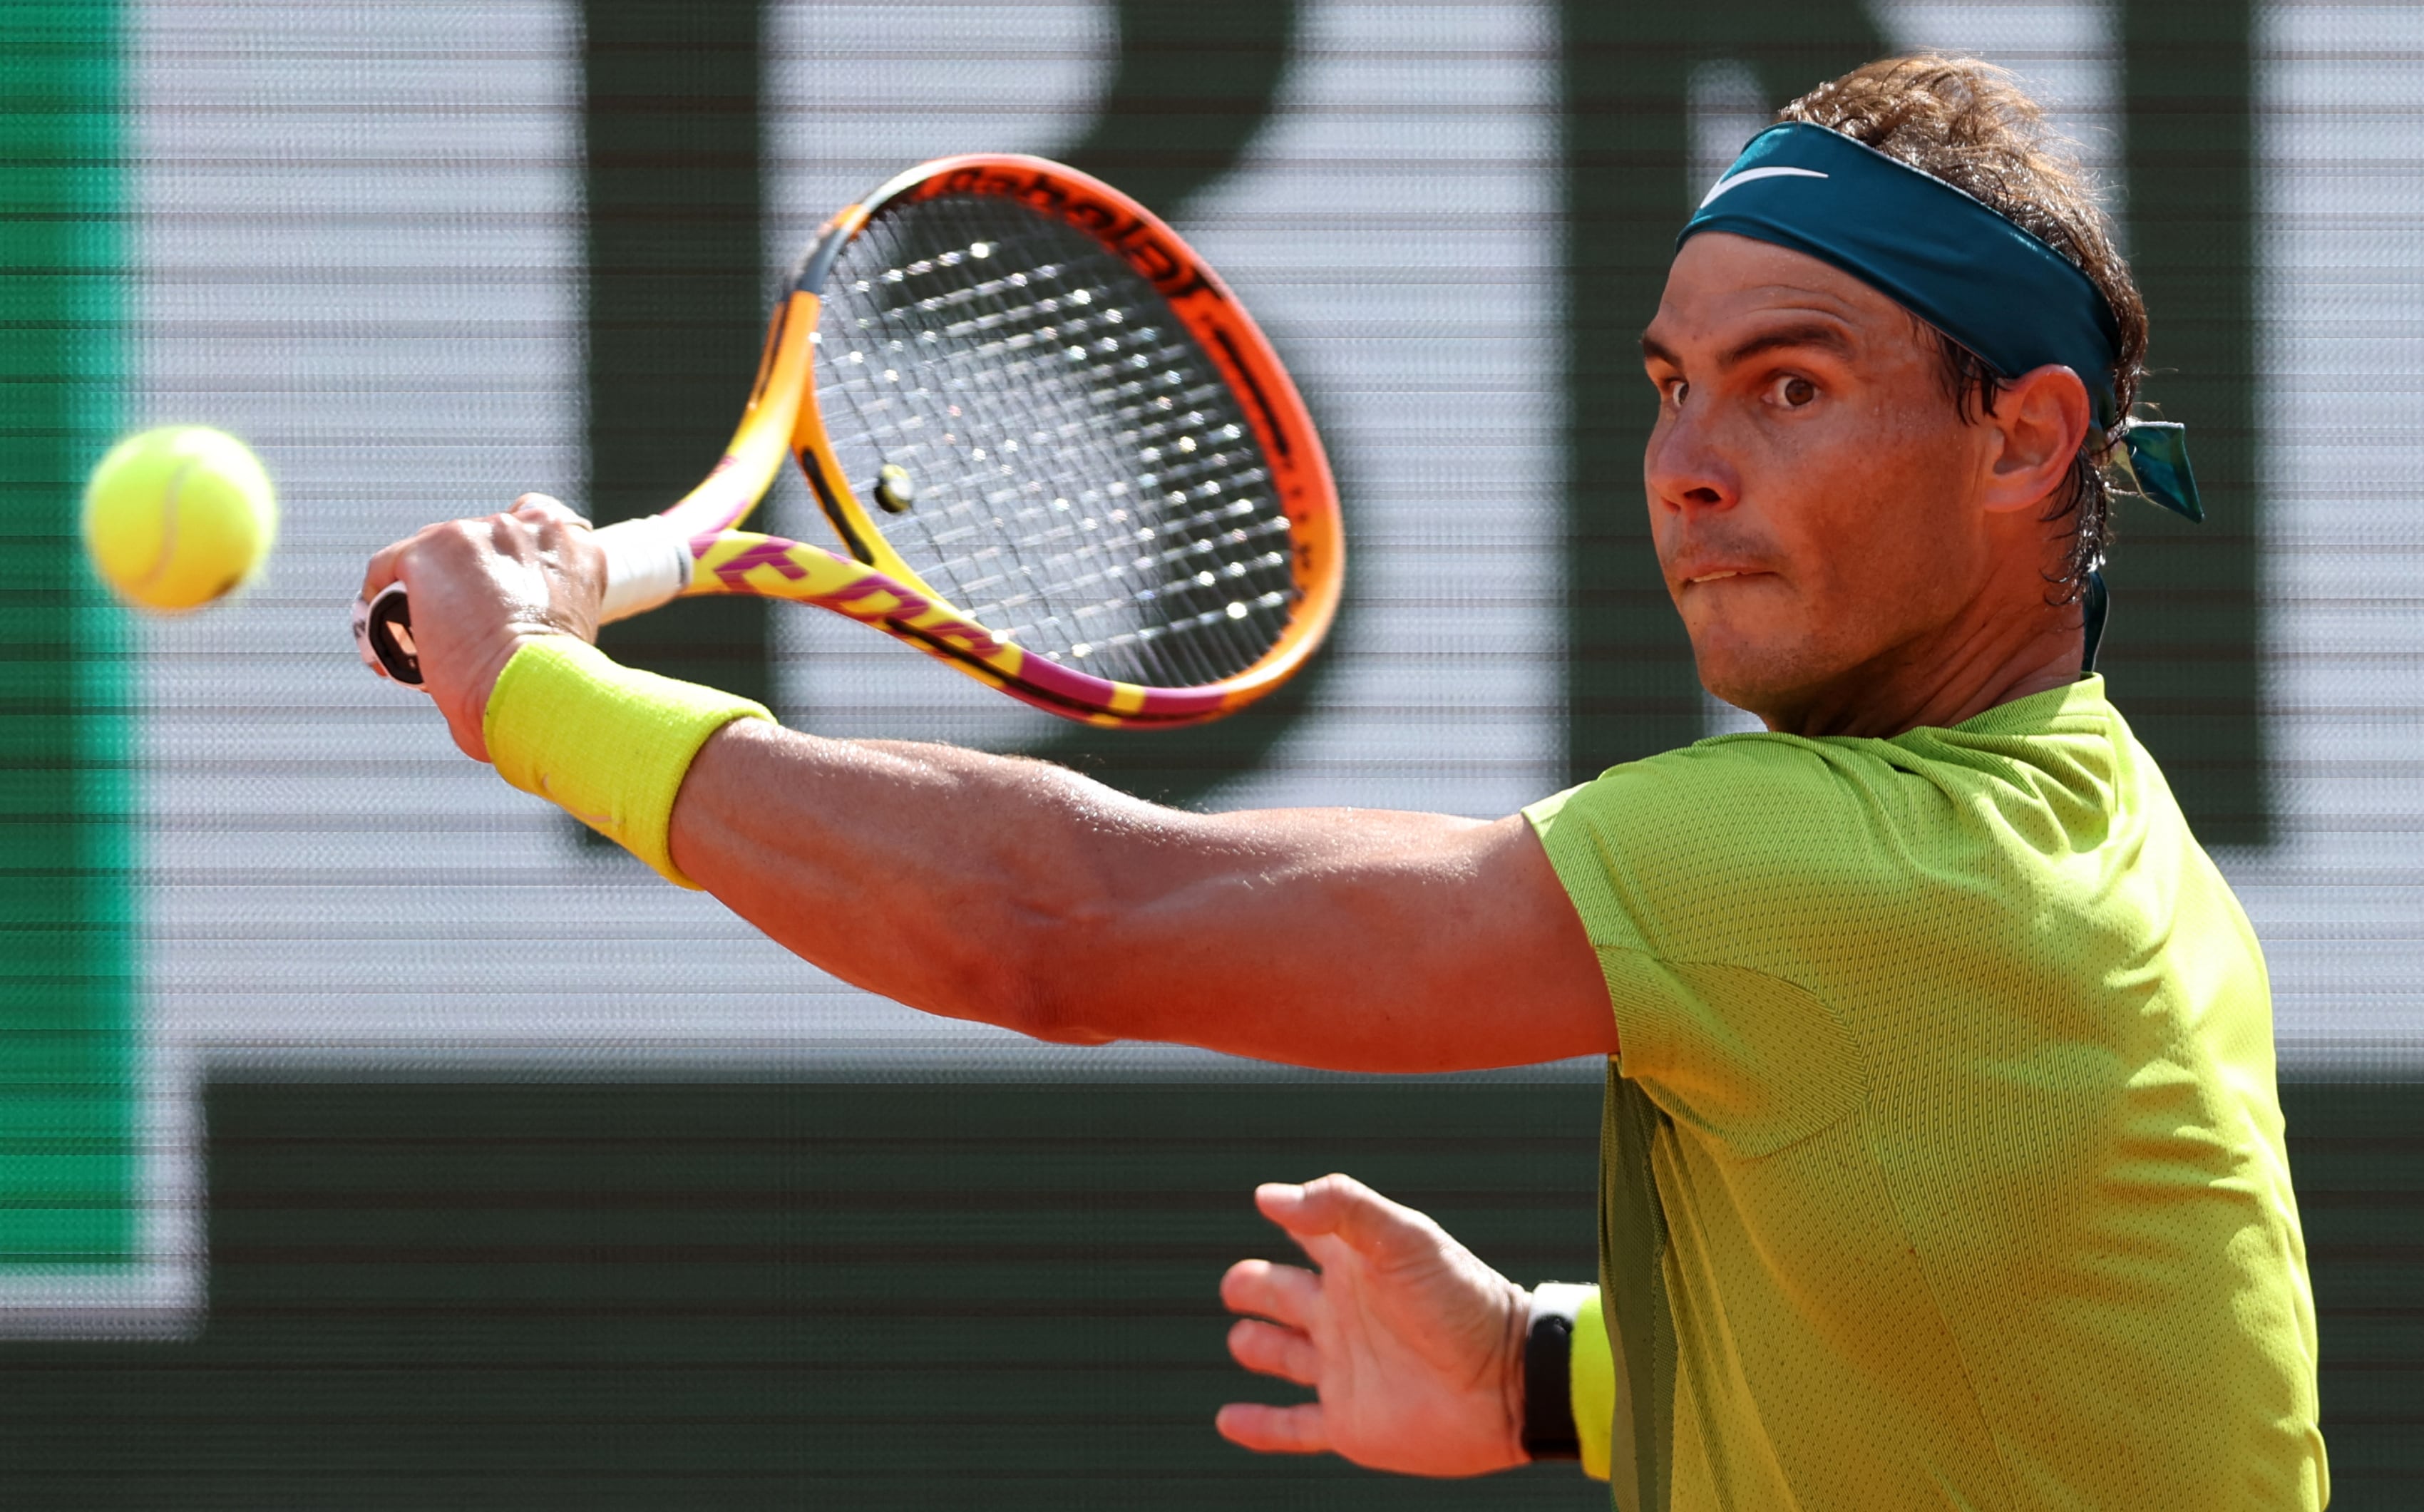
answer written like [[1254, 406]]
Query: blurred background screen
[[370, 1137]]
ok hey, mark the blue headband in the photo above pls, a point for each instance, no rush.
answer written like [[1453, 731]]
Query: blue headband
[[1959, 266]]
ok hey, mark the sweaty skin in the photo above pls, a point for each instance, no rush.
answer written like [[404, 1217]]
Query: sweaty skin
[[1850, 556]]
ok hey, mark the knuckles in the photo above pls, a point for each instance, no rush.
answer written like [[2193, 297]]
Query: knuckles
[[456, 542], [549, 542]]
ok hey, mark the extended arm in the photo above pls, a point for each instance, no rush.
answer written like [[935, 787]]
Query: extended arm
[[1022, 894], [1017, 893]]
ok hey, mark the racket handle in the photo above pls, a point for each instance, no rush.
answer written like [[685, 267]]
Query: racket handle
[[383, 636], [648, 563]]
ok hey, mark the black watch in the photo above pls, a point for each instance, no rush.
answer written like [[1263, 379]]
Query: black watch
[[1548, 1379]]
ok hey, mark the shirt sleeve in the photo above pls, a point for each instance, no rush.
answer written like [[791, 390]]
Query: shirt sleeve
[[1709, 880]]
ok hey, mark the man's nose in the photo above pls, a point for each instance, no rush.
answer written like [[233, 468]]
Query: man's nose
[[1685, 467]]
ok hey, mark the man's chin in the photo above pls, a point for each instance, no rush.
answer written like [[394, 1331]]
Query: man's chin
[[1755, 685], [1726, 691], [1724, 657]]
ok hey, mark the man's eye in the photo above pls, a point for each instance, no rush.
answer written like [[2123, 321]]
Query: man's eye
[[1796, 393], [1676, 390]]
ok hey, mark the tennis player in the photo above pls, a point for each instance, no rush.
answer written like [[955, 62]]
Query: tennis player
[[1944, 1164]]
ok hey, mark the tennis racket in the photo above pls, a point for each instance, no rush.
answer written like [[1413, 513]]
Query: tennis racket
[[1059, 454]]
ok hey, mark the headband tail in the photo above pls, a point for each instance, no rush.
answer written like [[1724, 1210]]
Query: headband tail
[[2158, 459], [2095, 607]]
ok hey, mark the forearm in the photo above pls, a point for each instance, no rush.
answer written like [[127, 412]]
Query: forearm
[[1021, 894], [928, 873]]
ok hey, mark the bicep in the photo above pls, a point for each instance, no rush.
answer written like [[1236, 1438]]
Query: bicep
[[1363, 941]]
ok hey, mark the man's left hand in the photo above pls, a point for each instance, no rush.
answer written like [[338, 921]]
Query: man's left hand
[[1415, 1346]]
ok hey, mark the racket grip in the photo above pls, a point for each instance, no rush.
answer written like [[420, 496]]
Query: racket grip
[[383, 635], [648, 563]]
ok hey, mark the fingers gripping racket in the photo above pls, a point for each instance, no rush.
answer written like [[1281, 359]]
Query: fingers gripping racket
[[1057, 451]]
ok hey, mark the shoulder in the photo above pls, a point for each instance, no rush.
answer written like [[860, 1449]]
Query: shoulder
[[1766, 775], [1712, 880], [1694, 853]]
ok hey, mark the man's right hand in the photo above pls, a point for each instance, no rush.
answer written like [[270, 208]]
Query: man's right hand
[[482, 587], [1415, 1346]]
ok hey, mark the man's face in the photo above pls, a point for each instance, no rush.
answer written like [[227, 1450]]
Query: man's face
[[1813, 493]]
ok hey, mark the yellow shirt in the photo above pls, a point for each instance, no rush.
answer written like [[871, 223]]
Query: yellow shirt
[[1942, 1159]]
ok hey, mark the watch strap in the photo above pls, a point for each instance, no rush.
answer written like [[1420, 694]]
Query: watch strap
[[1549, 1430]]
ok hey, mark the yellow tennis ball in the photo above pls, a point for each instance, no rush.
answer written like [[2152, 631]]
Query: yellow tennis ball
[[177, 516]]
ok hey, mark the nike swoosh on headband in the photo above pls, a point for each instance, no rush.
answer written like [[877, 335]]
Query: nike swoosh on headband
[[1748, 175]]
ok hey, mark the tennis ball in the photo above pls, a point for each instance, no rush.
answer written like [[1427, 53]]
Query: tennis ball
[[177, 516]]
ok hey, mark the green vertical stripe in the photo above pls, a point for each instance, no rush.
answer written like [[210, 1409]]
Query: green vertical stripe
[[2183, 652], [67, 987]]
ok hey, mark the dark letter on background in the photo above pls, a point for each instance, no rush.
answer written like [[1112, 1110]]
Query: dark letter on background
[[2183, 651], [1193, 86], [1630, 688], [678, 292]]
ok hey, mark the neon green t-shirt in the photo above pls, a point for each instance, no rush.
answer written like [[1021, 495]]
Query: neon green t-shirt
[[1942, 1161]]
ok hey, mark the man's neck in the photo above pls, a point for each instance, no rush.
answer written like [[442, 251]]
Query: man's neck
[[1951, 677]]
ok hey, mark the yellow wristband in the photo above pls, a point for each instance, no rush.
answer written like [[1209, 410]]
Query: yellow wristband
[[607, 744], [1592, 1378]]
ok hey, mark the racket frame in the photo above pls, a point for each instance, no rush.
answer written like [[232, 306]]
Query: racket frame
[[875, 584]]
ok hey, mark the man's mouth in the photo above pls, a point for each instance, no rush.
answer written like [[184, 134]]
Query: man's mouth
[[1712, 577]]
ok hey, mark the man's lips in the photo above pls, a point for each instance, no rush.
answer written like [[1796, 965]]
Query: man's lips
[[1698, 575]]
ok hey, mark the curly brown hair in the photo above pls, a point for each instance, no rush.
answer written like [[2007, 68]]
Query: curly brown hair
[[1971, 124]]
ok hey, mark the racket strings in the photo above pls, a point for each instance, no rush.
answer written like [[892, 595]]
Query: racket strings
[[1016, 587], [1001, 575], [1180, 656], [1085, 483]]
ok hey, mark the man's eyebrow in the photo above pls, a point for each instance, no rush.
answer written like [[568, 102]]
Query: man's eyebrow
[[1825, 335], [1821, 334]]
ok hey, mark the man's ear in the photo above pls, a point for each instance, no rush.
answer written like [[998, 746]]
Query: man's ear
[[2041, 421]]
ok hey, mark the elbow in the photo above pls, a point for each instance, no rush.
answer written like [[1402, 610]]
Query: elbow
[[1043, 984], [1053, 1024], [1046, 1010], [1049, 934]]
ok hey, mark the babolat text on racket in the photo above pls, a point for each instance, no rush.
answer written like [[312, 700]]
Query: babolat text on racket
[[1058, 453]]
